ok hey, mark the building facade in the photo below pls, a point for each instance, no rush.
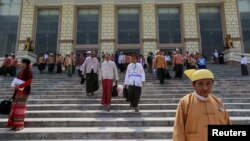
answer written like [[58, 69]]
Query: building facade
[[62, 26]]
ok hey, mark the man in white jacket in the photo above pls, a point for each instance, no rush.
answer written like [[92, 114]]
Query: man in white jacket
[[122, 61], [243, 62], [108, 73], [134, 79]]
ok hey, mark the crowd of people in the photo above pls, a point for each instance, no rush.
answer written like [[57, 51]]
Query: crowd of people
[[158, 63], [105, 69], [9, 65]]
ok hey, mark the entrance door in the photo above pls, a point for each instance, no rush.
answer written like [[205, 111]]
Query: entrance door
[[210, 30], [47, 31], [137, 51], [84, 52]]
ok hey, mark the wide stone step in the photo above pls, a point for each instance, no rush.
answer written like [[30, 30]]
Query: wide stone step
[[88, 133], [129, 112], [115, 106], [111, 122], [47, 80], [101, 140], [119, 98], [86, 101], [183, 81], [76, 87], [95, 122], [146, 90], [160, 94]]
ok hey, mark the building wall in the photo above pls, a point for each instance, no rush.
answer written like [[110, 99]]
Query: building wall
[[190, 27], [149, 36], [108, 28], [67, 34], [149, 28]]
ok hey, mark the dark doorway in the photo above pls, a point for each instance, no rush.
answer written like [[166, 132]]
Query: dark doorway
[[210, 30], [137, 51], [47, 31]]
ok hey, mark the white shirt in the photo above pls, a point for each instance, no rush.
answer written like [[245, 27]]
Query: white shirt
[[167, 58], [81, 67], [243, 60], [108, 70], [202, 98], [122, 59], [135, 75], [89, 64], [216, 54], [46, 56]]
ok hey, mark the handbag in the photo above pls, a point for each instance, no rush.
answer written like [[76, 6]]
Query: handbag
[[63, 68], [114, 91], [125, 92], [167, 75], [82, 80], [5, 105]]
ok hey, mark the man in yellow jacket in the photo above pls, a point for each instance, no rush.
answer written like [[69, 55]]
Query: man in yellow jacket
[[199, 109], [160, 65]]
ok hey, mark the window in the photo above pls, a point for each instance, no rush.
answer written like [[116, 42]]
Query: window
[[169, 25], [9, 14], [244, 9], [211, 30], [9, 7], [47, 31], [128, 26], [87, 26]]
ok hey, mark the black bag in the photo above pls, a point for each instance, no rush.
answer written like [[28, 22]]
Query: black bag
[[145, 66], [1, 72], [5, 105], [125, 92], [114, 91], [82, 80], [167, 75]]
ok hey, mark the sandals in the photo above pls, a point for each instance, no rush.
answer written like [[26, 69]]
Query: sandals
[[18, 129], [137, 110], [108, 108]]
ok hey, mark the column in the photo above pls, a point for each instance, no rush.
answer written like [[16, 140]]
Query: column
[[190, 27], [149, 28], [66, 37], [108, 28]]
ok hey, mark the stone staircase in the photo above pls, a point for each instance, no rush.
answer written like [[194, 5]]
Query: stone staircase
[[59, 109]]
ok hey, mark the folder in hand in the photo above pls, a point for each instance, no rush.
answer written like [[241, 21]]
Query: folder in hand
[[16, 82]]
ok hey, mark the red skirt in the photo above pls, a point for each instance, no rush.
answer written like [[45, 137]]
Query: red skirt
[[18, 109]]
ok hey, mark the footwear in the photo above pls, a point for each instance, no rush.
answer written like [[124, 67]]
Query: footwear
[[108, 107], [18, 129], [137, 110], [92, 94], [13, 128]]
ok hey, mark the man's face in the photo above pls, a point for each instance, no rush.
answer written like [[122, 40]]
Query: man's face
[[92, 54], [107, 57], [203, 87], [133, 59]]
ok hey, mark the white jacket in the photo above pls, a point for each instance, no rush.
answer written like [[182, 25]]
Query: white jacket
[[108, 70], [135, 75]]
